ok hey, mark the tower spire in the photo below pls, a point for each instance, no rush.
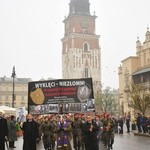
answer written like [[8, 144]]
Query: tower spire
[[81, 7]]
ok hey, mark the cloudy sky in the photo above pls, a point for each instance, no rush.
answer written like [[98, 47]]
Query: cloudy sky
[[31, 32]]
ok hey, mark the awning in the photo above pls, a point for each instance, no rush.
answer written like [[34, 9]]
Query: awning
[[141, 71], [8, 110], [2, 111]]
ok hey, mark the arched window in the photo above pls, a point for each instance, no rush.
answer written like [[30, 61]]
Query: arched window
[[86, 73]]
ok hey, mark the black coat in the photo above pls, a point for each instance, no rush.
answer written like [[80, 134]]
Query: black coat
[[30, 135], [90, 136], [3, 132]]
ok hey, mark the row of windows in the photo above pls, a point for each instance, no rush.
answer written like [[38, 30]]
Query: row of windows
[[86, 47], [10, 104], [9, 88], [77, 61], [9, 97]]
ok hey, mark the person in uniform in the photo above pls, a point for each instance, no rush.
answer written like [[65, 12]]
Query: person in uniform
[[54, 128], [77, 131], [110, 134], [3, 131], [47, 130], [99, 131], [108, 131], [30, 133]]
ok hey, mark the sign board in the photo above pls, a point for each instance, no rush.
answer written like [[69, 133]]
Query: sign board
[[20, 114], [53, 96]]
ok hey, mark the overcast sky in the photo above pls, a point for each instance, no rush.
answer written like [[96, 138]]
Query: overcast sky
[[31, 33]]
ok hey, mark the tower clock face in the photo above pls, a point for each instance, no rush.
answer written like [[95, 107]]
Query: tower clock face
[[84, 23]]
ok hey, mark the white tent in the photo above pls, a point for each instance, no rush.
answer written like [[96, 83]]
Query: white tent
[[2, 111], [8, 110]]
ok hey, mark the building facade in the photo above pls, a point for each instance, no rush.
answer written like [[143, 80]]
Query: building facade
[[134, 69], [81, 56], [20, 91]]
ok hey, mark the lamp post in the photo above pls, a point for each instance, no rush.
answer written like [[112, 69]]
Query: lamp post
[[13, 91]]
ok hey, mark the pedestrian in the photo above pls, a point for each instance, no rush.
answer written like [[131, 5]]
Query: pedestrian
[[12, 132], [120, 125], [139, 122], [30, 133], [83, 134], [3, 131], [99, 131], [110, 134], [148, 125], [77, 131], [128, 123], [48, 134], [63, 134], [144, 125], [90, 130]]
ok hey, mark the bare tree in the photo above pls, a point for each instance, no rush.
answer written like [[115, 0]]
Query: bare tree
[[108, 101], [140, 96]]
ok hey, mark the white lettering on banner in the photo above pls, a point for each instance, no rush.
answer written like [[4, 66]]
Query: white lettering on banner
[[71, 83], [45, 85]]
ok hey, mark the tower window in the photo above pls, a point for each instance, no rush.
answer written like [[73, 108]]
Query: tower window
[[86, 72], [66, 48], [86, 47]]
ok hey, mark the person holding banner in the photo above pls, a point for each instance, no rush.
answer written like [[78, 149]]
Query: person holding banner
[[3, 132]]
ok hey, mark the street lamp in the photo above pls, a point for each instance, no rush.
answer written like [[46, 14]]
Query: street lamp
[[13, 94]]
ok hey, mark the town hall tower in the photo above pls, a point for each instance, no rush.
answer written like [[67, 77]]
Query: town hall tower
[[81, 56]]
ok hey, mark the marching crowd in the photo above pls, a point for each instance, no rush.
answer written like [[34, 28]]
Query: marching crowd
[[57, 132]]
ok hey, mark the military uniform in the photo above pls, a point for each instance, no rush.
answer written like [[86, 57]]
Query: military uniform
[[104, 133], [47, 133], [110, 134], [54, 129], [77, 133]]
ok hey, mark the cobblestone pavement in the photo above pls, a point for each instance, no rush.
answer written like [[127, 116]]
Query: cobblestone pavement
[[127, 141]]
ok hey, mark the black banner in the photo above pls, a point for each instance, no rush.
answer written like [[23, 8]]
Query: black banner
[[59, 95]]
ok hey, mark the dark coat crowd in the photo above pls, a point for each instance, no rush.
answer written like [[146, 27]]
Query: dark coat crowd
[[79, 131], [7, 132], [143, 124], [57, 132]]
